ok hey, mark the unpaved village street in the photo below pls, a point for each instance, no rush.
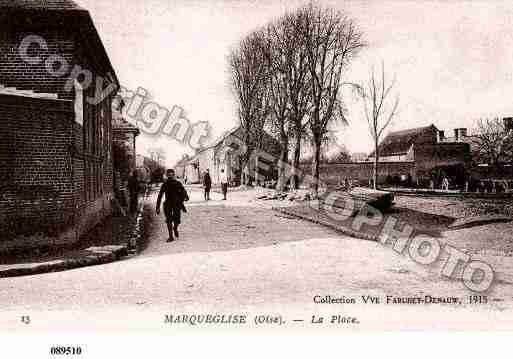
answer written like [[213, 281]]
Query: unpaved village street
[[240, 255]]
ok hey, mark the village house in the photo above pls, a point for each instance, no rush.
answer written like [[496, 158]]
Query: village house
[[409, 157], [225, 154], [462, 135], [480, 169], [423, 148], [56, 173], [124, 136]]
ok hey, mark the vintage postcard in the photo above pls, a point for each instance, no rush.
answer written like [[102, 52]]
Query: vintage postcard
[[179, 165]]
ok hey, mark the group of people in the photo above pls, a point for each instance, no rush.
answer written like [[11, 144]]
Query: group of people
[[444, 184], [175, 196], [207, 184]]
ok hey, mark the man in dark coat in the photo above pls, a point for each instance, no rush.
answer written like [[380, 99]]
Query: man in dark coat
[[207, 184], [176, 195]]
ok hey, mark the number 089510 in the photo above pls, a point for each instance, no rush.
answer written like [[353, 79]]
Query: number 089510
[[65, 350]]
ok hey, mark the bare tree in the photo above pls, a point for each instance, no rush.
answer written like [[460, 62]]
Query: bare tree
[[288, 87], [248, 76], [332, 40], [329, 139], [298, 82], [275, 50], [287, 77], [342, 154], [494, 143], [380, 108]]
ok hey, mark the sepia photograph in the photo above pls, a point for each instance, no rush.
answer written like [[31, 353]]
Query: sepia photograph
[[203, 166]]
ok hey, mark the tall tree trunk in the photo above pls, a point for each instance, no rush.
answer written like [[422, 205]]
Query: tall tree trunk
[[240, 171], [375, 169], [295, 164], [282, 165], [256, 175], [245, 173], [315, 166], [245, 166]]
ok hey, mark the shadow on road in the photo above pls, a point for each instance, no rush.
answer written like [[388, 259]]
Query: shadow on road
[[423, 223]]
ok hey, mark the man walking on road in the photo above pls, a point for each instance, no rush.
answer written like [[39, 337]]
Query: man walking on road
[[207, 184], [224, 183], [173, 205]]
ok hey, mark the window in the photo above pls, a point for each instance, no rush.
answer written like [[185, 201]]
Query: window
[[101, 129], [96, 139], [107, 132], [79, 103]]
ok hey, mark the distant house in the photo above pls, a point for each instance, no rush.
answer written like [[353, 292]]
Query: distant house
[[399, 145], [480, 168], [359, 157], [414, 155], [181, 165], [427, 153], [55, 149], [124, 137], [225, 154]]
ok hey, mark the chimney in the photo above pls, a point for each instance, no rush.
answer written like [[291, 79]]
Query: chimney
[[459, 133], [508, 123]]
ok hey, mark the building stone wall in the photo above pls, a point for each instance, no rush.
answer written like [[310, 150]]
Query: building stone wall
[[45, 194], [336, 173], [37, 197], [16, 72], [428, 157]]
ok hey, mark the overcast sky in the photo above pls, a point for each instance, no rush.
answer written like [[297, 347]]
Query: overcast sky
[[453, 60]]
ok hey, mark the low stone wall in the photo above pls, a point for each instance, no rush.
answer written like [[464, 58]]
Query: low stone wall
[[59, 234], [333, 174]]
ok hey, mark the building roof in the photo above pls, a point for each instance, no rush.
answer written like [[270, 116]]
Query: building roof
[[65, 15], [236, 132], [60, 5], [119, 123], [399, 142]]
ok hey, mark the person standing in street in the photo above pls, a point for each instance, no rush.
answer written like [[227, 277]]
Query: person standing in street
[[207, 184], [224, 183], [445, 184], [175, 195], [133, 189]]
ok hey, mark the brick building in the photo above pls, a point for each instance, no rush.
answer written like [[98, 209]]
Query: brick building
[[125, 134], [414, 155], [424, 148], [480, 168], [56, 133], [124, 157]]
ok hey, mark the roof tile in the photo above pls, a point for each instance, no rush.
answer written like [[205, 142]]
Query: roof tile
[[399, 142]]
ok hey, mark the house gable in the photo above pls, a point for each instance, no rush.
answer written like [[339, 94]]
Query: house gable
[[399, 143]]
